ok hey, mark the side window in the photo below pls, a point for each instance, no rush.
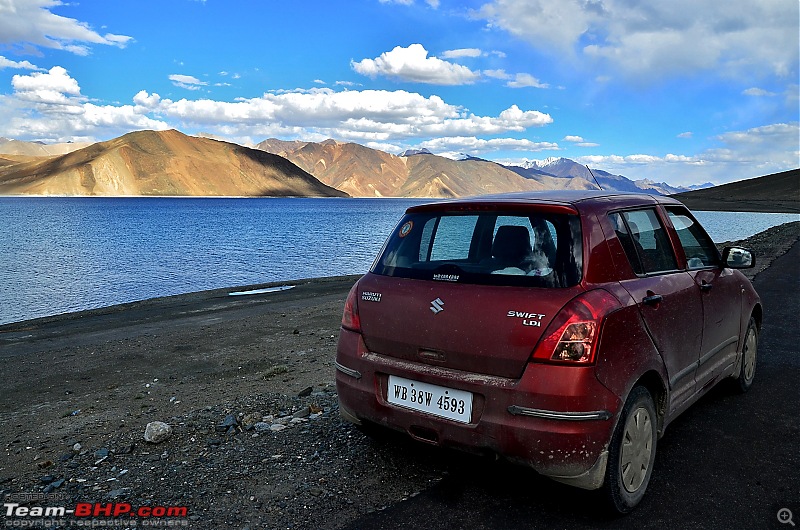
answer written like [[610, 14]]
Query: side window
[[425, 241], [645, 241], [699, 249], [453, 237], [626, 241]]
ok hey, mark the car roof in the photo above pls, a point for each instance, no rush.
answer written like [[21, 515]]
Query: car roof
[[578, 199]]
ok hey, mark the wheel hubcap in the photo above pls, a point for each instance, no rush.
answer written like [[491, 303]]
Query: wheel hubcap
[[637, 447], [749, 368]]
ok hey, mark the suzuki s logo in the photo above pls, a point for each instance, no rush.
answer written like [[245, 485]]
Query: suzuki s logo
[[437, 306]]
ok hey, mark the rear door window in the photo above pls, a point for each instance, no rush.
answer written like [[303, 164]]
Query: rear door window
[[645, 241], [541, 249]]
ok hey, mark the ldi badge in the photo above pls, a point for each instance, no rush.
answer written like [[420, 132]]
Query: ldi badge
[[528, 319], [437, 306]]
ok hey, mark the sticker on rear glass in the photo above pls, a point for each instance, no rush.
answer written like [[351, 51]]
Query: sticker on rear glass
[[406, 229]]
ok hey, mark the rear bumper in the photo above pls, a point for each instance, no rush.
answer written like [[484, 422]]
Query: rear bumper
[[556, 419]]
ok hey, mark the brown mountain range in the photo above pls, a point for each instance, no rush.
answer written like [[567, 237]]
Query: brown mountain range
[[160, 163], [365, 172], [17, 147], [779, 192]]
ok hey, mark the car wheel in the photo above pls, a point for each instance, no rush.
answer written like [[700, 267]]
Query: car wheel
[[747, 371], [632, 452]]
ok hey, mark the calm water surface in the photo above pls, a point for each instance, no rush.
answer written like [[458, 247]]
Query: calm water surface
[[68, 254]]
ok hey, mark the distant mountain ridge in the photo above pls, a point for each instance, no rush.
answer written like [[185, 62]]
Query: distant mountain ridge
[[362, 171], [17, 147], [201, 166], [565, 168], [365, 172], [161, 163]]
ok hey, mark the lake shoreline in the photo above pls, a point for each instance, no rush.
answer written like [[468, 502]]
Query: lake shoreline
[[767, 245], [247, 385]]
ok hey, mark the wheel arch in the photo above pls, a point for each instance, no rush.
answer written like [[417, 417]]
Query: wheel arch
[[652, 381], [758, 315]]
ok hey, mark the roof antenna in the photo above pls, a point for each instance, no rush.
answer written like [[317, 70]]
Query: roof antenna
[[595, 178]]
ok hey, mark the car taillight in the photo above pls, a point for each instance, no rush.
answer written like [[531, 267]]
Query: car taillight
[[572, 336], [350, 318]]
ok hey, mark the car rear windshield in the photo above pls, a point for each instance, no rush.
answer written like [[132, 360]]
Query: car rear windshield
[[538, 249]]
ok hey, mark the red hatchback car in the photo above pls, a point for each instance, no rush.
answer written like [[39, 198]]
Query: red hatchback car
[[561, 330]]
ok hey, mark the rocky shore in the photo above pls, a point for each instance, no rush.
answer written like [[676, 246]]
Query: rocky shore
[[246, 386]]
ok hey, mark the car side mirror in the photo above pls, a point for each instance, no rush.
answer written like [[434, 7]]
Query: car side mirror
[[738, 258]]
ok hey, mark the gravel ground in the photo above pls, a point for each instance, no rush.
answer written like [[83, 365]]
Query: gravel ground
[[247, 388]]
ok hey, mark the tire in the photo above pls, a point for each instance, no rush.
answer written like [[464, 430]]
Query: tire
[[747, 372], [632, 452]]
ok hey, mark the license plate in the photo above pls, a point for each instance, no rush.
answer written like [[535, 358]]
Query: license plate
[[431, 399]]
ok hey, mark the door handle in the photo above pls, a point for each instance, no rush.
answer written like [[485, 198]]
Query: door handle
[[653, 299], [705, 286]]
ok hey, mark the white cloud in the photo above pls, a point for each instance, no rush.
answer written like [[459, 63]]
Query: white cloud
[[516, 80], [31, 23], [452, 146], [42, 102], [740, 155], [188, 82], [757, 92], [8, 63], [54, 87], [433, 3], [526, 80], [413, 64], [578, 141], [687, 134], [462, 52], [497, 74], [654, 39], [49, 106]]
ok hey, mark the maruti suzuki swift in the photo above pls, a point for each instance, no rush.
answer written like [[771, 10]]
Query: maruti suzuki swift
[[560, 330]]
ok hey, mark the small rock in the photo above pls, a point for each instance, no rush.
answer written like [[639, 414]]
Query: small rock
[[261, 426], [77, 447], [277, 427], [157, 432], [101, 453], [47, 479], [113, 494], [302, 413], [305, 392], [229, 421], [45, 464], [250, 420], [54, 485]]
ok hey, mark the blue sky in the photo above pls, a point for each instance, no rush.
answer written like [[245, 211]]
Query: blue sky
[[685, 91]]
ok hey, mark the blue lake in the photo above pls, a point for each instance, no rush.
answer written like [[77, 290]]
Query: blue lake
[[69, 254]]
